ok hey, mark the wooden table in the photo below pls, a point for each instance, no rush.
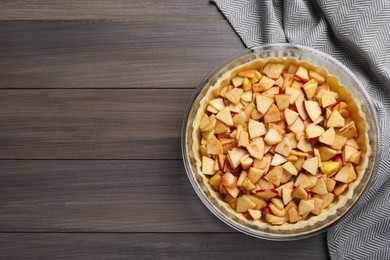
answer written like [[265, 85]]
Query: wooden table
[[92, 99]]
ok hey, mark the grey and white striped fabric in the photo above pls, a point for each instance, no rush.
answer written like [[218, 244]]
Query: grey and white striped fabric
[[357, 33]]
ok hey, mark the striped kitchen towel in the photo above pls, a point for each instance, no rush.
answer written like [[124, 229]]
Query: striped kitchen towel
[[357, 33]]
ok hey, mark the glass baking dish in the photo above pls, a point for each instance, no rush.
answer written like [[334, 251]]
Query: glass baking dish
[[346, 77]]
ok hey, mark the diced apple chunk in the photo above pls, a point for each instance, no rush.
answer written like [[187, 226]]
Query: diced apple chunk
[[335, 120], [282, 101], [272, 115], [225, 116], [207, 165], [273, 70], [346, 174], [313, 109], [311, 165], [328, 136]]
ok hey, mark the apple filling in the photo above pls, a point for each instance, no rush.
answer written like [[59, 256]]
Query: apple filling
[[278, 144]]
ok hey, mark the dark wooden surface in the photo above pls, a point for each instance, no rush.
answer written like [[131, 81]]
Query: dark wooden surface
[[92, 97]]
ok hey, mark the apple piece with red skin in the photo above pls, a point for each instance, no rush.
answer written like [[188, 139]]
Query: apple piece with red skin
[[338, 159], [302, 74], [229, 180], [330, 168], [335, 106], [310, 88], [266, 210], [313, 109], [254, 214], [266, 194]]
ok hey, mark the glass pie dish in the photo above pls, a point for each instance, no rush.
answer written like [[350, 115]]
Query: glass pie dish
[[189, 140]]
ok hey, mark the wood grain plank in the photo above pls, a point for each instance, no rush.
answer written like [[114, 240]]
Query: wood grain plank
[[156, 246], [113, 9], [101, 196], [90, 54], [92, 124]]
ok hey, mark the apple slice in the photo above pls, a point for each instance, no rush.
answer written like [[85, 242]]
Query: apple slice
[[293, 215], [214, 147], [346, 174], [339, 142], [274, 220], [233, 192], [239, 119], [317, 206], [290, 116], [241, 178], [282, 101], [279, 81], [302, 74], [311, 165], [256, 148], [271, 92], [264, 84], [326, 153], [287, 197], [299, 193], [278, 160], [327, 200], [207, 165], [248, 185], [330, 184], [348, 151], [276, 211], [313, 109], [352, 142], [303, 181], [225, 116], [284, 148], [355, 158], [246, 162], [328, 100], [237, 81], [254, 214], [290, 168], [301, 109], [295, 93], [319, 187], [273, 70], [274, 175], [297, 127], [246, 84], [247, 74], [273, 137], [335, 120], [255, 174], [272, 115], [264, 184], [260, 203], [288, 79], [330, 168], [316, 76], [215, 181], [263, 103], [304, 145], [328, 136], [310, 88], [234, 156], [243, 204], [267, 194], [256, 129], [340, 188], [234, 95], [314, 131], [349, 130], [217, 103], [305, 206], [229, 180], [220, 128]]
